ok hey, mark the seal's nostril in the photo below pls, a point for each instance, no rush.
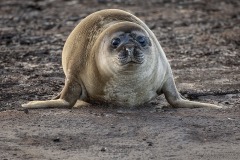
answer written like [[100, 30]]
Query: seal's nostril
[[123, 54], [129, 50]]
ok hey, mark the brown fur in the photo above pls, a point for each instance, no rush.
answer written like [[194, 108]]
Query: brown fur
[[88, 78]]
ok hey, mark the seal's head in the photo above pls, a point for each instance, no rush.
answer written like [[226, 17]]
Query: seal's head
[[129, 47], [124, 46]]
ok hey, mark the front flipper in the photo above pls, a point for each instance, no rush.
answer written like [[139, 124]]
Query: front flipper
[[80, 104], [69, 95], [56, 103], [174, 97]]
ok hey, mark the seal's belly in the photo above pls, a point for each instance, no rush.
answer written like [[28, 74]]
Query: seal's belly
[[128, 92]]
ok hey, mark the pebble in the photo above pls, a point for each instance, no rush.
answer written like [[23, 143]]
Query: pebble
[[56, 139], [150, 143], [103, 149], [226, 102], [26, 111]]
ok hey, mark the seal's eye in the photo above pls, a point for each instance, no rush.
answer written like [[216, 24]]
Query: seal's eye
[[116, 42], [142, 40]]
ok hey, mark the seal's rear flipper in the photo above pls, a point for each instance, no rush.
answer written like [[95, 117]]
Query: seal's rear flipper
[[174, 97], [67, 98], [58, 103]]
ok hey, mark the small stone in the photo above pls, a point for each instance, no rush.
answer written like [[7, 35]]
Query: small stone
[[112, 126], [103, 149], [150, 143], [56, 139], [226, 102], [26, 111]]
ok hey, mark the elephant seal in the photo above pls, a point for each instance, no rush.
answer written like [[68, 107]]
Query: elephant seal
[[112, 56]]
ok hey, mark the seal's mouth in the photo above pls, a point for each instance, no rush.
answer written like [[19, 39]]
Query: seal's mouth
[[130, 55]]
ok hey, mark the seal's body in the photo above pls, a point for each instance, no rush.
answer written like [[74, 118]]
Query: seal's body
[[112, 56]]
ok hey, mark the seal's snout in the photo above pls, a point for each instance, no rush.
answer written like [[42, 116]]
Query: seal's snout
[[130, 47], [130, 53]]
